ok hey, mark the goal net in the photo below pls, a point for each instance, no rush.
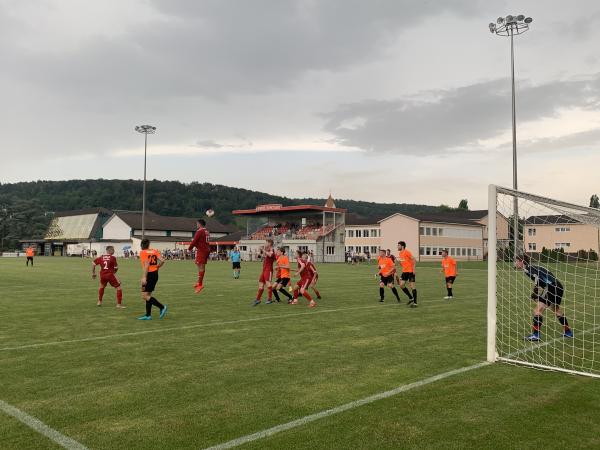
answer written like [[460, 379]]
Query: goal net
[[543, 282]]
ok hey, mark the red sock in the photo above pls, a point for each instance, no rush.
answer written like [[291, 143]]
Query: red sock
[[296, 294], [259, 293], [269, 293], [119, 296], [200, 277], [100, 294], [307, 296]]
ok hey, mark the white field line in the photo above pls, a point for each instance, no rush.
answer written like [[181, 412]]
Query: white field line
[[345, 407], [187, 327], [40, 427], [373, 398]]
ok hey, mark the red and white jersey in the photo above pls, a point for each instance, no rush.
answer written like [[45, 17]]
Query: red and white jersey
[[201, 241], [310, 266], [108, 264]]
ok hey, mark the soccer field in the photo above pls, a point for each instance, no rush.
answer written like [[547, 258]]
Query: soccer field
[[217, 370]]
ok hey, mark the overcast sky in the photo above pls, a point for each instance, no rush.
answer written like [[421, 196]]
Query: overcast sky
[[379, 100]]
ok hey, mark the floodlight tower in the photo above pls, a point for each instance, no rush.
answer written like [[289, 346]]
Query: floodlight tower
[[512, 26], [145, 130]]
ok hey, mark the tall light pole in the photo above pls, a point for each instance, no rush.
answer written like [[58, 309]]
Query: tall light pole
[[512, 26], [145, 130]]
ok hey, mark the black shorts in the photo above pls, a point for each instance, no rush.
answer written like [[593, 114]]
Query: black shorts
[[283, 281], [237, 265], [387, 280], [450, 279], [151, 280], [408, 276], [30, 258], [552, 295]]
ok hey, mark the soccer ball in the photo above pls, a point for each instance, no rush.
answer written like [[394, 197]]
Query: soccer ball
[[210, 212]]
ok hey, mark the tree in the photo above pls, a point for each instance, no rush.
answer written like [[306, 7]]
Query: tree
[[594, 201], [464, 204]]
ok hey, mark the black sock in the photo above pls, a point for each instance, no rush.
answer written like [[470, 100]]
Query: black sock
[[286, 293], [449, 292], [381, 293], [414, 295], [537, 323], [395, 291], [276, 295], [156, 303], [148, 308], [564, 322], [406, 291]]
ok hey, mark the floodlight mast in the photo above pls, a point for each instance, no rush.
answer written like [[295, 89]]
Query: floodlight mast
[[512, 26], [145, 130]]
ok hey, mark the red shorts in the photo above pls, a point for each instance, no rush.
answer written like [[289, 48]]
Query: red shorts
[[265, 276], [111, 279], [303, 283], [202, 258]]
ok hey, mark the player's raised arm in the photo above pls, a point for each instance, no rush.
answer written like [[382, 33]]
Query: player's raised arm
[[95, 262]]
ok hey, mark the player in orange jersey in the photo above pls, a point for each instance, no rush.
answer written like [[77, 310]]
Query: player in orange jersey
[[151, 262], [283, 274], [449, 269], [386, 275], [30, 253], [108, 269], [408, 262]]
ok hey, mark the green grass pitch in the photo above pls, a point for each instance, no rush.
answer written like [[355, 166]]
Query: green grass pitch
[[216, 369]]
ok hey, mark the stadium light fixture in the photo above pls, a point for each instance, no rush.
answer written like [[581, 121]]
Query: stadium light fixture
[[145, 130], [512, 26]]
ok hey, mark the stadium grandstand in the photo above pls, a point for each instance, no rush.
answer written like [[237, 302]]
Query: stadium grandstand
[[318, 230]]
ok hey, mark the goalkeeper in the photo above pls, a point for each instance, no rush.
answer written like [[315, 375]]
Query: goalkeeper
[[547, 293]]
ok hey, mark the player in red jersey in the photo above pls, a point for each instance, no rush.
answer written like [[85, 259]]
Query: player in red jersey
[[306, 275], [266, 276], [201, 243], [315, 278], [108, 269]]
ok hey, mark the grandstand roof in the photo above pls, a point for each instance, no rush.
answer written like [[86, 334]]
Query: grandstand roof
[[157, 222], [262, 210], [83, 212]]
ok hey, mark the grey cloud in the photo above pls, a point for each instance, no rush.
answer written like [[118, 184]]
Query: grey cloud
[[210, 143], [451, 119], [583, 140]]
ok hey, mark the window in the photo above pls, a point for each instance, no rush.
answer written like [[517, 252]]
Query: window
[[330, 250], [365, 233], [374, 232], [562, 229], [452, 252], [427, 251], [434, 250], [440, 231], [474, 252], [434, 231], [421, 251], [350, 248], [464, 251], [531, 231], [421, 231], [365, 249], [468, 252], [461, 232], [374, 249], [358, 233], [243, 248], [350, 233], [303, 248], [427, 231], [532, 246], [562, 245]]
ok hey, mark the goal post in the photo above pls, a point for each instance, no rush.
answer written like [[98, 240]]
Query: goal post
[[543, 306]]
